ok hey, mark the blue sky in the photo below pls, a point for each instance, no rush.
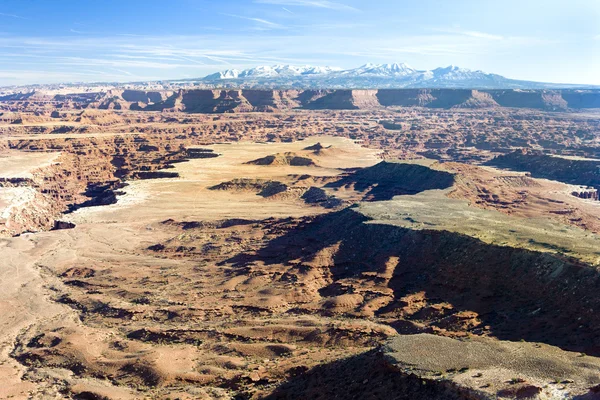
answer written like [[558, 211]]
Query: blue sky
[[45, 41]]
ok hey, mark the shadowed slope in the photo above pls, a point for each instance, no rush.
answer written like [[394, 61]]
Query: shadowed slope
[[577, 172], [388, 179], [516, 293]]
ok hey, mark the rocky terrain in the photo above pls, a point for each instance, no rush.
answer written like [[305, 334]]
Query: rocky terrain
[[252, 100], [416, 244]]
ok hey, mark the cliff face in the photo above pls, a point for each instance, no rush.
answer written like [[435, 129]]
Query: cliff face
[[538, 99], [244, 100], [88, 172], [436, 98], [272, 100], [224, 101], [144, 96], [582, 99]]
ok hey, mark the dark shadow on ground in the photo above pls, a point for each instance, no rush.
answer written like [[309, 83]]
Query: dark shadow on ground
[[519, 294], [366, 377], [388, 179]]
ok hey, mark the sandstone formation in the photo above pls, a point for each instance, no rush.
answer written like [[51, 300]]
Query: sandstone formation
[[232, 100], [219, 101]]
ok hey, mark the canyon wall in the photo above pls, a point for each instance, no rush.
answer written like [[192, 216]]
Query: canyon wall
[[222, 101], [232, 100], [88, 172], [242, 100]]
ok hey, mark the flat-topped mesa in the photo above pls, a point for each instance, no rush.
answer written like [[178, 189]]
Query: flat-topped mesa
[[430, 98], [212, 101], [146, 96], [346, 100], [436, 98], [208, 101], [272, 100], [386, 179], [538, 99]]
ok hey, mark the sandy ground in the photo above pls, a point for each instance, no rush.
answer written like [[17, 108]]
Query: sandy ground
[[25, 287], [19, 164], [187, 197], [23, 300]]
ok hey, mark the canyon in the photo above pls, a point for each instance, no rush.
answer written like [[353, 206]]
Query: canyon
[[423, 244]]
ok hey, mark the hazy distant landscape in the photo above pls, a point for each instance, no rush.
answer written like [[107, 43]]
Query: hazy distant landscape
[[368, 76]]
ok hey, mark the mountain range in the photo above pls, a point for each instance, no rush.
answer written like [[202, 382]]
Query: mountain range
[[368, 76], [283, 77]]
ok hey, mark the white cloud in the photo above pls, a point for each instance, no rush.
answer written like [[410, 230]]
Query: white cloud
[[264, 22], [333, 25], [310, 3], [176, 56], [12, 16]]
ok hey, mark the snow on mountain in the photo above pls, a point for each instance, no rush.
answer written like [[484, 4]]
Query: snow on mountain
[[379, 76], [456, 73], [227, 74], [308, 70], [276, 71], [290, 70], [381, 70], [367, 70]]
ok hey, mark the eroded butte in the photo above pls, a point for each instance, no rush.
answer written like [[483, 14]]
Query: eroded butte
[[375, 253]]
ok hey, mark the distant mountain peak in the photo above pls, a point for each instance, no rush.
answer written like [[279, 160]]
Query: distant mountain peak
[[369, 75], [276, 71]]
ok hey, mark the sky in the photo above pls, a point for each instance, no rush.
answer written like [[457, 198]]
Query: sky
[[44, 41]]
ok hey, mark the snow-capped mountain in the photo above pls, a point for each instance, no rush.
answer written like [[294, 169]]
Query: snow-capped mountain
[[271, 72], [376, 76], [227, 74], [381, 70]]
